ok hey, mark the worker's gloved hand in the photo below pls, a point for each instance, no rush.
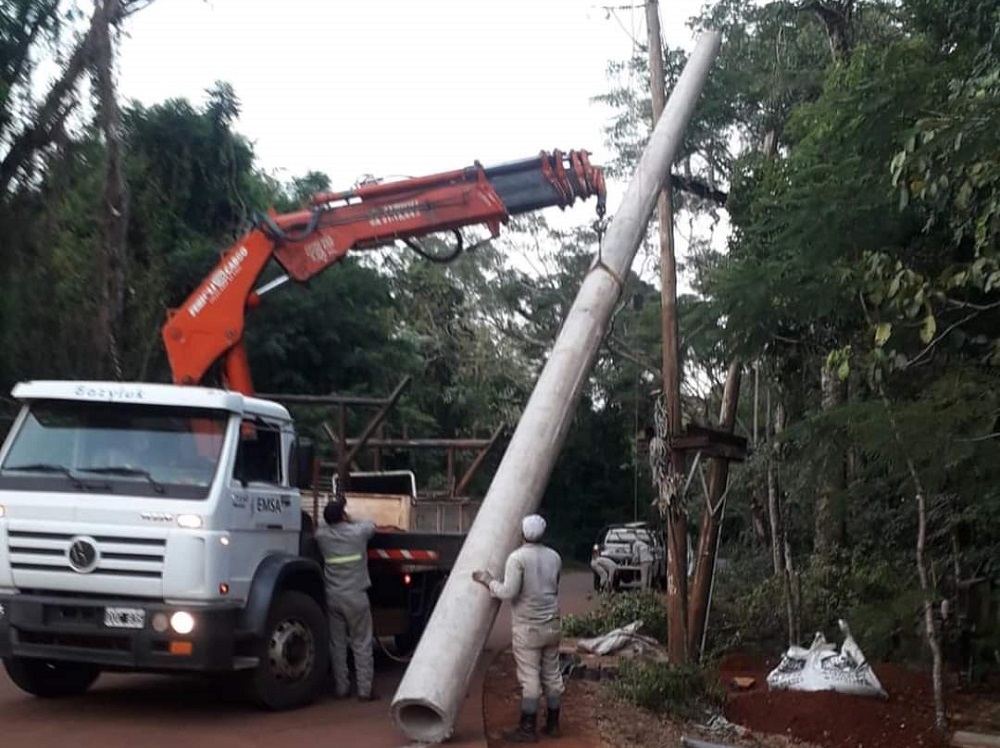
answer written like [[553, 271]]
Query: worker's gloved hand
[[483, 577]]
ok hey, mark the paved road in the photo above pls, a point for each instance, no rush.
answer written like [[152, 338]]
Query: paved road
[[152, 711]]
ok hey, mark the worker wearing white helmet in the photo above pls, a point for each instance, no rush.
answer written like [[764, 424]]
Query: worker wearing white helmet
[[531, 583]]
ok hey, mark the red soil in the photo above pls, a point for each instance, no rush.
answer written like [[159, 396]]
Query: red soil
[[834, 720]]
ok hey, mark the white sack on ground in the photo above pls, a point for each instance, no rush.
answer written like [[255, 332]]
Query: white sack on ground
[[822, 668]]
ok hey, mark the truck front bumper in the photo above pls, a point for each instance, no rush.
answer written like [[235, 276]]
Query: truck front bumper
[[113, 634]]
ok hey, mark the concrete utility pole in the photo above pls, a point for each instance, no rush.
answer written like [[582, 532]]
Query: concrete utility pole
[[676, 540], [438, 676]]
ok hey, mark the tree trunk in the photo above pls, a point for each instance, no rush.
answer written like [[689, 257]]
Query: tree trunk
[[756, 401], [781, 550], [831, 520], [837, 17], [758, 501], [114, 222], [711, 521], [931, 629], [773, 484], [759, 519], [677, 551], [793, 594]]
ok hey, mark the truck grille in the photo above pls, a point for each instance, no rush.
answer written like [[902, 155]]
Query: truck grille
[[117, 556], [82, 641]]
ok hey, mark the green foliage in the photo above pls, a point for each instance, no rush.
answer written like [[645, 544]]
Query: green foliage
[[878, 597], [617, 610], [681, 692], [762, 611], [337, 335], [771, 61]]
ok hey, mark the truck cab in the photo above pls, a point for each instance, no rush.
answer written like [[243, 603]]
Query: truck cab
[[155, 528]]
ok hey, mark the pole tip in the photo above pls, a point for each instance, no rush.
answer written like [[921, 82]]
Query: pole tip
[[421, 721]]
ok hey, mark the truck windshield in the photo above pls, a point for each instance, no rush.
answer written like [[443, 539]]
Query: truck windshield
[[121, 447]]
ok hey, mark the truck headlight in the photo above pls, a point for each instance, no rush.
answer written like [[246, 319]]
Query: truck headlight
[[182, 622], [2, 511]]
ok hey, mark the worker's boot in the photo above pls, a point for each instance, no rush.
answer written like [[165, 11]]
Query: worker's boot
[[552, 723], [526, 732]]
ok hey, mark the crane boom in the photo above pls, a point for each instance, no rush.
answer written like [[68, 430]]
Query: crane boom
[[209, 325]]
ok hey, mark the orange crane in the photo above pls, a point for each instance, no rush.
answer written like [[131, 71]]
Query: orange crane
[[208, 327]]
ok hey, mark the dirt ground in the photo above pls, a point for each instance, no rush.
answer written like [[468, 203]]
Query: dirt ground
[[594, 718], [831, 720], [502, 700]]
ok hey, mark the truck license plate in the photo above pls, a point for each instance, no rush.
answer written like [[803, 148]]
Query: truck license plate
[[124, 618]]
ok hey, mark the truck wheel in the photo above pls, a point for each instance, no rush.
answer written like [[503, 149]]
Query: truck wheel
[[51, 679], [294, 654]]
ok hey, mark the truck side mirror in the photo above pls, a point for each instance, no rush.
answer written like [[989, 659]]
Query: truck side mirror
[[301, 467]]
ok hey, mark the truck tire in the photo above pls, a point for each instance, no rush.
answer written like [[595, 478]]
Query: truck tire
[[51, 679], [294, 654]]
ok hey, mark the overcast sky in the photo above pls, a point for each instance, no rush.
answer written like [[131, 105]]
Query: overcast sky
[[395, 87]]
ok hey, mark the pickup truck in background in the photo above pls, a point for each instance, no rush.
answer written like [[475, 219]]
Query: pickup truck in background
[[616, 541]]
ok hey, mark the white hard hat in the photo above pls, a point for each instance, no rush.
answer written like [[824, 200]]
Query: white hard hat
[[533, 527]]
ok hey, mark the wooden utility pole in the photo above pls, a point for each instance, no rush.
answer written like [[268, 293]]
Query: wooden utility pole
[[711, 520], [676, 540]]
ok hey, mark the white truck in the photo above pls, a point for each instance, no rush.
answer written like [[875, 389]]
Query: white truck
[[156, 528]]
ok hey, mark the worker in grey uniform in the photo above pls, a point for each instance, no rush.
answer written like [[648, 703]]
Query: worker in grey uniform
[[344, 545], [606, 570], [642, 556], [531, 583]]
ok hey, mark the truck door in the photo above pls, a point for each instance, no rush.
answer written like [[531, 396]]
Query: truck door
[[264, 509]]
